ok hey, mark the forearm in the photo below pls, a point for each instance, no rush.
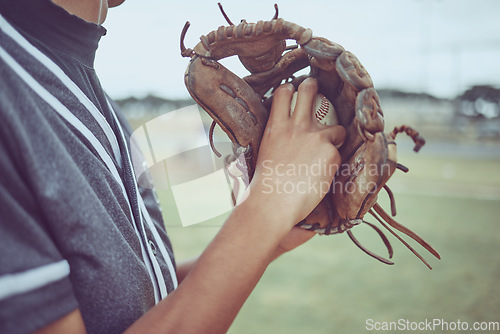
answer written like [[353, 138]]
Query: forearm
[[296, 237], [220, 281], [184, 267]]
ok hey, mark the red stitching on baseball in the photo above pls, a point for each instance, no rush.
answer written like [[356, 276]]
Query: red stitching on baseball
[[323, 108]]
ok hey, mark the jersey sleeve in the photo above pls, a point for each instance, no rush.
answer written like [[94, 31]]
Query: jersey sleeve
[[35, 289]]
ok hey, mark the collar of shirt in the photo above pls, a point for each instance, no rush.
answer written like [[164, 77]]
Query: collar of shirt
[[50, 24]]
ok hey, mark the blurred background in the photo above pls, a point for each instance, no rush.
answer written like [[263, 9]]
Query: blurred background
[[435, 65]]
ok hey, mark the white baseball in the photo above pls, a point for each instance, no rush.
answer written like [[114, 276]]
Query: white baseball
[[323, 110]]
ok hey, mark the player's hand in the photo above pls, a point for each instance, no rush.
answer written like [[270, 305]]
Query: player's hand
[[297, 156]]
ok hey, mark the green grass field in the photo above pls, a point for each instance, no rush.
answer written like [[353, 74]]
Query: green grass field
[[329, 286]]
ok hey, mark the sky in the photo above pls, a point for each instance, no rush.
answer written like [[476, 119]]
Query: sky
[[440, 47]]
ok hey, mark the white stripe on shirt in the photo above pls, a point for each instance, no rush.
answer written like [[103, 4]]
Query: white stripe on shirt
[[63, 111], [145, 212], [159, 242], [25, 281], [75, 122], [66, 81]]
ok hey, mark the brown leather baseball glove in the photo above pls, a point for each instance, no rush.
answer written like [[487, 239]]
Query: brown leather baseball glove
[[240, 106]]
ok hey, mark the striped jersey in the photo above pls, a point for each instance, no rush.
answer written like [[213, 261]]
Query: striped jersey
[[76, 231]]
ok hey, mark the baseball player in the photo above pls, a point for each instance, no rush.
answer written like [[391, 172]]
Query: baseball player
[[83, 248]]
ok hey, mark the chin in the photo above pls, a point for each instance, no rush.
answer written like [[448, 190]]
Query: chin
[[114, 3]]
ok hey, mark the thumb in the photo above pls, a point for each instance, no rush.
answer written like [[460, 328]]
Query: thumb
[[335, 134]]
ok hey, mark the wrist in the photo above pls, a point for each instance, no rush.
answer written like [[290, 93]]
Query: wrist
[[263, 202]]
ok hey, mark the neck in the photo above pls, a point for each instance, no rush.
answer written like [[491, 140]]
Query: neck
[[89, 10]]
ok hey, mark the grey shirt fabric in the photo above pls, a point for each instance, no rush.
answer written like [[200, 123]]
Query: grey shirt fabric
[[69, 236]]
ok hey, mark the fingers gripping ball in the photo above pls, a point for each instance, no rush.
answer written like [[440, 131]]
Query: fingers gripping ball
[[324, 111]]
